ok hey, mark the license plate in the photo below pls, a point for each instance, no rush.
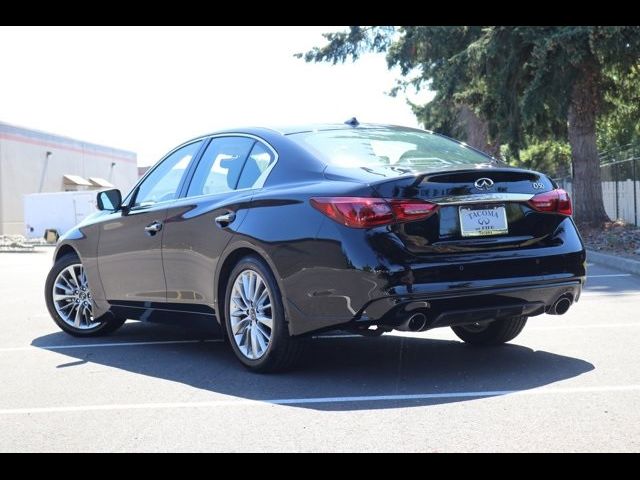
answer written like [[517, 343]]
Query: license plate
[[481, 221]]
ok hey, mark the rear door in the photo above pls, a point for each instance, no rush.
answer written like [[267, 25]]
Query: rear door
[[199, 226]]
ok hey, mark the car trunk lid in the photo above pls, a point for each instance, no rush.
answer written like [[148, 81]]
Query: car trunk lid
[[479, 209]]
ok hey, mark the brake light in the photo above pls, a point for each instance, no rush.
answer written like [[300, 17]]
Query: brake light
[[362, 212], [557, 201], [411, 210]]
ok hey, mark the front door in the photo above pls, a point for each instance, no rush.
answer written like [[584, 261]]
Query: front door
[[130, 243]]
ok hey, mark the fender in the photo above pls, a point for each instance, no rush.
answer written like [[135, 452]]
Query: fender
[[75, 239]]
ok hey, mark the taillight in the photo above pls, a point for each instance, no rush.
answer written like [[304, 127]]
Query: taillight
[[361, 212], [557, 201], [411, 210]]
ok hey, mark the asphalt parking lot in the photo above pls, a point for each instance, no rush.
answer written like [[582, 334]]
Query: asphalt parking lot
[[568, 383]]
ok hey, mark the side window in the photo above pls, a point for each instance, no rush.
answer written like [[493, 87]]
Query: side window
[[220, 166], [259, 160], [163, 182]]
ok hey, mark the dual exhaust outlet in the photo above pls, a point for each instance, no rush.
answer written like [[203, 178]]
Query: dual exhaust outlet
[[418, 321]]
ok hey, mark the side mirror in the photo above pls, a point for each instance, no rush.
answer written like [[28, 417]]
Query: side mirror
[[110, 200]]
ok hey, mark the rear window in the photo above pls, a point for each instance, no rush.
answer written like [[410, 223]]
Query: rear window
[[386, 147]]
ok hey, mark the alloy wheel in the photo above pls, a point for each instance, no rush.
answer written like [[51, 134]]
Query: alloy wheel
[[251, 314], [72, 298]]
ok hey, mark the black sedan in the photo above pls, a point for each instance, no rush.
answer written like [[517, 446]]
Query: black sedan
[[280, 234]]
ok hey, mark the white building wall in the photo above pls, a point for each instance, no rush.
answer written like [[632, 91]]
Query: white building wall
[[25, 168]]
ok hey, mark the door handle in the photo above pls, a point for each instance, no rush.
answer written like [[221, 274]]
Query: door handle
[[226, 219], [153, 228]]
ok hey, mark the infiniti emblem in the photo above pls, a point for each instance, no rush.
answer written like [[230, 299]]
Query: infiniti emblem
[[483, 183]]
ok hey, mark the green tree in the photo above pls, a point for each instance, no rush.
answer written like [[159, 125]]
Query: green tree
[[550, 156], [621, 125], [550, 82]]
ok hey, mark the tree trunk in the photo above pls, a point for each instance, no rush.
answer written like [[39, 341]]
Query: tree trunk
[[588, 207], [476, 131]]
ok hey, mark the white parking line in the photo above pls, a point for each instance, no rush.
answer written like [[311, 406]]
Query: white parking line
[[609, 275], [317, 400], [587, 293], [102, 345], [594, 325]]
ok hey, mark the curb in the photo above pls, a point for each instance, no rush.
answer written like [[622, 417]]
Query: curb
[[609, 260]]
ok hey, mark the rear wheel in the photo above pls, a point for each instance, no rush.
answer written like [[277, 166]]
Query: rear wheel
[[69, 300], [255, 320], [495, 332]]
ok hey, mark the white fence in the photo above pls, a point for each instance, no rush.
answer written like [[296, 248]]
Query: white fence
[[621, 197]]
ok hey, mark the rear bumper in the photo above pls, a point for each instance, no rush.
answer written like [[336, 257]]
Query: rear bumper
[[455, 307], [326, 298]]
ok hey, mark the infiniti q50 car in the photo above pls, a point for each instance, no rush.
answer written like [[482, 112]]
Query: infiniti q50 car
[[280, 234]]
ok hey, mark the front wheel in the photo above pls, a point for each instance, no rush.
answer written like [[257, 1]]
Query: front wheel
[[255, 320], [69, 302], [495, 332]]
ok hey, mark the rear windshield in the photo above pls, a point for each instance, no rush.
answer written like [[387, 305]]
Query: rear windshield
[[381, 147]]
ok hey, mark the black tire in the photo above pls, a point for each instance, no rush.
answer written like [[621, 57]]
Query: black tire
[[104, 325], [495, 333], [283, 351]]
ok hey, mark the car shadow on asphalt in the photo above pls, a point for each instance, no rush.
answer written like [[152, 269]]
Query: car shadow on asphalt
[[331, 367]]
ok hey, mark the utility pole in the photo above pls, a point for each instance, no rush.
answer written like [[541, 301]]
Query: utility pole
[[47, 156]]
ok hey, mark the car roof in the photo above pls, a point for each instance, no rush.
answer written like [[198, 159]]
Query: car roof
[[313, 127]]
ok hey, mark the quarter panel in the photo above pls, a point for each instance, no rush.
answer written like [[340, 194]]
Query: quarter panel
[[283, 226]]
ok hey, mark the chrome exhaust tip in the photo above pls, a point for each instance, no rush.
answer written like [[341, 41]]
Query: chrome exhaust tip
[[561, 306], [415, 323]]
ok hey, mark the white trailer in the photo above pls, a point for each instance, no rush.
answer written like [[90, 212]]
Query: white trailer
[[58, 211]]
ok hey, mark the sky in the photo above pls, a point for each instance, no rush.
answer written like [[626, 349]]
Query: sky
[[148, 89]]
